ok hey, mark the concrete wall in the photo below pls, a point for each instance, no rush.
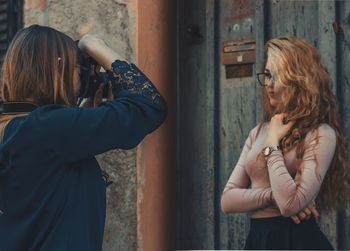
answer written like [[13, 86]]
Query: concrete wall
[[114, 21]]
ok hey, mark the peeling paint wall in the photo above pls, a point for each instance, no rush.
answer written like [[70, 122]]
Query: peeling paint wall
[[115, 22]]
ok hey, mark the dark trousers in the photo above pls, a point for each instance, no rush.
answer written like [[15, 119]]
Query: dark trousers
[[282, 233]]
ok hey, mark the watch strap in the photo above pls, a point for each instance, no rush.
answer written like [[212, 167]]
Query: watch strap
[[266, 151]]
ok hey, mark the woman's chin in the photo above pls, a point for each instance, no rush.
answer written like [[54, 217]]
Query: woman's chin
[[273, 103]]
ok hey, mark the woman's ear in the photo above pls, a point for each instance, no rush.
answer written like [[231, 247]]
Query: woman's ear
[[59, 64]]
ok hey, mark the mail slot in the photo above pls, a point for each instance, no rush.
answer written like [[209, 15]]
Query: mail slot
[[238, 57]]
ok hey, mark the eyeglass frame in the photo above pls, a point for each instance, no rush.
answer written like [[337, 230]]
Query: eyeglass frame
[[264, 73]]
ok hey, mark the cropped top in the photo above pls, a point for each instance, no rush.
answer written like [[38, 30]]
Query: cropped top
[[253, 179]]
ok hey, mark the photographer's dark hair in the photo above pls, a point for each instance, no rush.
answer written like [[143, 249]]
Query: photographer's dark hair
[[40, 67]]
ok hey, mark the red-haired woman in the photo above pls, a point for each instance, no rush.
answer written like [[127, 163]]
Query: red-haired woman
[[296, 156]]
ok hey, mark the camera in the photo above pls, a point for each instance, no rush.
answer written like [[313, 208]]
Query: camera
[[91, 77]]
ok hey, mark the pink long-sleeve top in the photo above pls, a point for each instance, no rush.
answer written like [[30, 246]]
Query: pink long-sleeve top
[[252, 180]]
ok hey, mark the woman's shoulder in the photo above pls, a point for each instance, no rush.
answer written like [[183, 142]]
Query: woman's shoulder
[[52, 112], [323, 130], [326, 128], [258, 129], [51, 118]]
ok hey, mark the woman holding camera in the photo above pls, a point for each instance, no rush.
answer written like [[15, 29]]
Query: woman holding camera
[[295, 156], [52, 191]]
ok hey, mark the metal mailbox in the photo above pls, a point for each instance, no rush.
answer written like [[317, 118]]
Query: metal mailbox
[[238, 57]]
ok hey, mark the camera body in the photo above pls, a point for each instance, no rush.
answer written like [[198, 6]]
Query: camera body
[[90, 77]]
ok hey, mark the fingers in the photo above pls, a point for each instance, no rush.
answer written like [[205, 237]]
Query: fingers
[[305, 214], [295, 219], [98, 95], [308, 213], [314, 211], [289, 124], [110, 92], [302, 215], [282, 117], [281, 120]]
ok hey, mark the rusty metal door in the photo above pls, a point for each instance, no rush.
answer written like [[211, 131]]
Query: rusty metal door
[[219, 102]]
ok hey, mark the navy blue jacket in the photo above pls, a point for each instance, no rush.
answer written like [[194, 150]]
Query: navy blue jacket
[[52, 192]]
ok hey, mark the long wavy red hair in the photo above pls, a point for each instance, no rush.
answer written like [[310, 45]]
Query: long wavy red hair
[[309, 101]]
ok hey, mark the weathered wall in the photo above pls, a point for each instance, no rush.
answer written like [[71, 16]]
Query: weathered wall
[[216, 111], [114, 21]]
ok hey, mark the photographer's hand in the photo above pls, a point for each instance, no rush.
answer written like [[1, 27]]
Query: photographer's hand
[[99, 95], [124, 76], [98, 50]]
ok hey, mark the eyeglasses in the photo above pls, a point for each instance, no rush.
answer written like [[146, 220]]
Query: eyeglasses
[[264, 78]]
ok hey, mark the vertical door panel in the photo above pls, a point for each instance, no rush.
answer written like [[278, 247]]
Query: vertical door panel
[[196, 170], [237, 111]]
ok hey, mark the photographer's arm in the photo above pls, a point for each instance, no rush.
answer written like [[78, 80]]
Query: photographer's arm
[[98, 50], [124, 76], [137, 109]]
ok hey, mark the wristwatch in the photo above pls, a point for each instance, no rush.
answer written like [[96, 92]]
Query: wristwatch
[[266, 151]]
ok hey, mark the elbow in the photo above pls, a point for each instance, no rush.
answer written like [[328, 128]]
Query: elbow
[[289, 204], [288, 210], [225, 208], [157, 117], [132, 142], [164, 107], [163, 112], [162, 117], [160, 108]]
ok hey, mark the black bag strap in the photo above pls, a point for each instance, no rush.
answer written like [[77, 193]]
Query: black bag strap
[[11, 110], [16, 107]]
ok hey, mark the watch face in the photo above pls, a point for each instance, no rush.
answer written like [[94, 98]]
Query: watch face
[[266, 151]]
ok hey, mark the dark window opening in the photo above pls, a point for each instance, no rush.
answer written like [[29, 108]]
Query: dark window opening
[[11, 20]]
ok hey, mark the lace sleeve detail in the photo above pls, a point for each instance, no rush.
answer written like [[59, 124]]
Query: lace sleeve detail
[[128, 77]]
